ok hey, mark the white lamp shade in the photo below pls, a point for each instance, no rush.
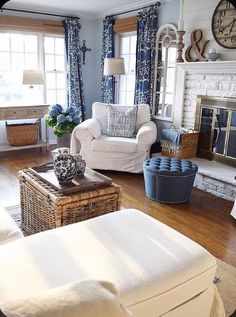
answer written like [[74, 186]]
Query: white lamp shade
[[32, 77], [114, 66]]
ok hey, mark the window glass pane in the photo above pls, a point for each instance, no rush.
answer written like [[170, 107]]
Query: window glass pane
[[122, 82], [4, 42], [61, 97], [51, 81], [17, 42], [49, 45], [125, 45], [60, 63], [31, 61], [49, 62], [59, 46], [31, 43], [126, 61], [16, 78], [130, 82], [51, 97], [132, 63], [4, 61], [61, 81], [5, 79], [133, 43], [122, 98], [130, 98], [17, 60]]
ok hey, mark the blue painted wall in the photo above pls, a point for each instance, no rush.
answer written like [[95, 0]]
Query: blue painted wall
[[91, 31]]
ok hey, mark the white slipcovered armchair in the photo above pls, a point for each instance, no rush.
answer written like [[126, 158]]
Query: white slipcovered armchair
[[114, 153]]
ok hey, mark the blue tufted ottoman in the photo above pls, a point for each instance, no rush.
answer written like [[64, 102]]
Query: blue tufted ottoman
[[169, 180]]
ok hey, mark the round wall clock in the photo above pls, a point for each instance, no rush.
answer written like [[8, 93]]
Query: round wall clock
[[224, 23]]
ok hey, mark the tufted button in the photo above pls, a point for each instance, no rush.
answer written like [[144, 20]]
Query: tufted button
[[170, 166]]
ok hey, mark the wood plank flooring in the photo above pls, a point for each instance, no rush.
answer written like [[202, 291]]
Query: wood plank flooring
[[205, 218]]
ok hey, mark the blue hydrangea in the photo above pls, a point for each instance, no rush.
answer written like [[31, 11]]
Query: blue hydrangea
[[57, 107], [76, 120], [71, 110], [61, 118], [69, 118], [53, 112]]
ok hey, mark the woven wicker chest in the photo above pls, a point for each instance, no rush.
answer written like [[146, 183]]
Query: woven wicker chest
[[43, 207]]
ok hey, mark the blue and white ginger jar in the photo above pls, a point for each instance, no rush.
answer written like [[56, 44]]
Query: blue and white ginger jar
[[80, 165], [64, 166]]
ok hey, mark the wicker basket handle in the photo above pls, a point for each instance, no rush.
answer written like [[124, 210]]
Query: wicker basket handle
[[190, 131], [172, 126]]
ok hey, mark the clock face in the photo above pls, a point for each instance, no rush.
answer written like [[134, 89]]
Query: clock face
[[224, 24]]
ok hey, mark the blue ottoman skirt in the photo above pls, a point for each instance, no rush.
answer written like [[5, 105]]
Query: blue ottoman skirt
[[169, 180]]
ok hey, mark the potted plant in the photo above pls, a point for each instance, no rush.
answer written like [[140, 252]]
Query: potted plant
[[62, 122]]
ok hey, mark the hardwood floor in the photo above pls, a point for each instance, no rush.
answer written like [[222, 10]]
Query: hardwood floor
[[205, 218]]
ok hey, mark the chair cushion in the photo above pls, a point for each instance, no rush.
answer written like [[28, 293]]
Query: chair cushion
[[99, 111], [121, 124], [86, 298], [8, 228], [114, 145], [148, 262]]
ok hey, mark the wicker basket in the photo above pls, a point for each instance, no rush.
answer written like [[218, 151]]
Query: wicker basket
[[43, 207], [22, 133], [186, 149]]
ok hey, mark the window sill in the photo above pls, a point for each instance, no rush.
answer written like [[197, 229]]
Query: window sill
[[162, 119]]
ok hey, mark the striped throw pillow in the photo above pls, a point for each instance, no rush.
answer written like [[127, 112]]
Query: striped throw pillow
[[121, 124]]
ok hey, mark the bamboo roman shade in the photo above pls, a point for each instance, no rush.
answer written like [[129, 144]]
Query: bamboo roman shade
[[125, 25], [13, 23]]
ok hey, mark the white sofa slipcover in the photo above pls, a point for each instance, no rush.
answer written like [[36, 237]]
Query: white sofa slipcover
[[9, 230], [114, 153], [157, 271]]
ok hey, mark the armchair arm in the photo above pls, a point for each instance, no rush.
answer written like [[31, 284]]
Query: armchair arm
[[146, 135], [84, 133]]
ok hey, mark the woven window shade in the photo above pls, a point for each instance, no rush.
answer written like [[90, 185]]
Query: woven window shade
[[125, 25], [13, 23]]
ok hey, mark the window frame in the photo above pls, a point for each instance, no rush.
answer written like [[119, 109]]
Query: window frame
[[40, 59], [118, 50], [55, 71]]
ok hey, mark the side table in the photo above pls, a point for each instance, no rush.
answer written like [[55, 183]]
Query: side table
[[43, 207]]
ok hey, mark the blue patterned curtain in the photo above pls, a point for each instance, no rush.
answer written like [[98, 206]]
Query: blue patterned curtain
[[145, 56], [107, 93], [75, 89]]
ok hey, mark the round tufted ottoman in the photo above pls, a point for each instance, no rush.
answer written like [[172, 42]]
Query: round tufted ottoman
[[169, 180]]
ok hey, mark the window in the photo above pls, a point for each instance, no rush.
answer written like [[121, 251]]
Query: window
[[55, 73], [127, 44], [19, 51], [164, 89]]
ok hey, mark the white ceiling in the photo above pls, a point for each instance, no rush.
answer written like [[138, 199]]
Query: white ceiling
[[89, 8]]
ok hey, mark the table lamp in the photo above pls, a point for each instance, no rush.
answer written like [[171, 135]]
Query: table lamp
[[112, 67]]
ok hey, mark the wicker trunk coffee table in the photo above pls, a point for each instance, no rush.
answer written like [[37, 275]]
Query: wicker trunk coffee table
[[43, 207]]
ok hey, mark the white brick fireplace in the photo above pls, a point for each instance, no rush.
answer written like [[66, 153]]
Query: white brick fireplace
[[216, 79], [201, 78]]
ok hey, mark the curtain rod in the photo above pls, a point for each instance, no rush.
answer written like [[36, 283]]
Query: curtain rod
[[36, 12], [124, 12]]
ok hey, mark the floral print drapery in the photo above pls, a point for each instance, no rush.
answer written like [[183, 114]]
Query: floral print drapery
[[75, 88], [145, 56], [107, 93]]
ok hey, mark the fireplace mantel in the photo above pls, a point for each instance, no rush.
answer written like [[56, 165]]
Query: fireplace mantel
[[218, 67]]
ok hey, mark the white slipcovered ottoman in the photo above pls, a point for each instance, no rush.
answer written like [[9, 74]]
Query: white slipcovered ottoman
[[157, 271]]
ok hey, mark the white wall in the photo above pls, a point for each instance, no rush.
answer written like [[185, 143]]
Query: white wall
[[198, 15]]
